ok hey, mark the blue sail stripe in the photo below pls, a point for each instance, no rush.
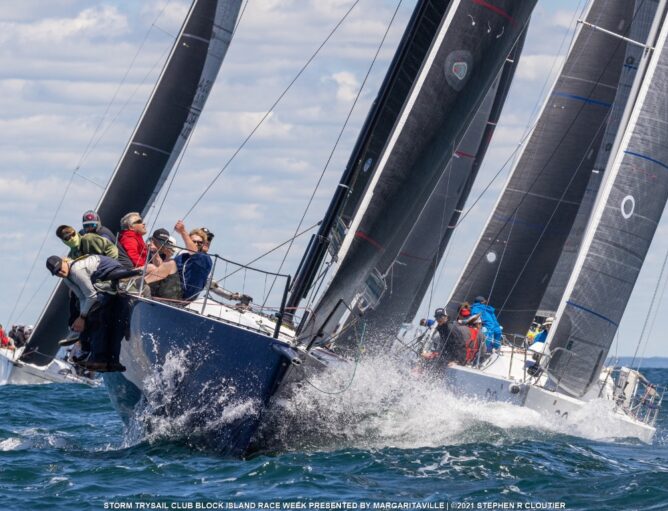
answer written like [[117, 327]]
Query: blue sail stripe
[[648, 158], [577, 306], [589, 101]]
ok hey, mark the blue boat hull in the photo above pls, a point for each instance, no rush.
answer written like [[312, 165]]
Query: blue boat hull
[[210, 379]]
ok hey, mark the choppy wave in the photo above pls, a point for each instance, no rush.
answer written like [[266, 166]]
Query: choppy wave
[[387, 405]]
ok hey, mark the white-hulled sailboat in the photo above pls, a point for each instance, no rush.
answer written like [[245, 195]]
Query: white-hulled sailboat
[[605, 116]]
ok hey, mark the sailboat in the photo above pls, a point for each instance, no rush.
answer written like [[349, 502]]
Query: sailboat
[[600, 131], [212, 366]]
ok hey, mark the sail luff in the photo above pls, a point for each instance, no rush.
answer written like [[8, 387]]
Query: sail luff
[[627, 212], [626, 92], [524, 236], [166, 123], [401, 72], [495, 114], [473, 41], [366, 200]]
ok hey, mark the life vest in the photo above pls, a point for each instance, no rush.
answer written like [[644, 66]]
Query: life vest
[[472, 345]]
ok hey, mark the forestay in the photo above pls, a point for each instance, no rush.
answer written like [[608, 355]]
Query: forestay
[[471, 44], [642, 22], [163, 129], [414, 268], [624, 221], [514, 258]]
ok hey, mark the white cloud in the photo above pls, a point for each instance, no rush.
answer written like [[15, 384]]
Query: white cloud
[[101, 21], [63, 60], [347, 86]]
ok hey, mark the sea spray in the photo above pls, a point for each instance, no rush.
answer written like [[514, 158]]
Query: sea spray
[[171, 411], [382, 402]]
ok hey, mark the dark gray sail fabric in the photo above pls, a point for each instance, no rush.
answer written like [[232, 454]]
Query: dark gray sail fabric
[[363, 163], [166, 123], [501, 93], [632, 200], [520, 246], [412, 271], [639, 30], [470, 48]]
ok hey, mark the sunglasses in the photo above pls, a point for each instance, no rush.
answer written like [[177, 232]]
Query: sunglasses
[[68, 236], [138, 221]]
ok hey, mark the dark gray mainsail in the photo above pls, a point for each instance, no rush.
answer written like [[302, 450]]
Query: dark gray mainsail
[[642, 22], [471, 44], [520, 246], [627, 212], [362, 165], [412, 271], [165, 125]]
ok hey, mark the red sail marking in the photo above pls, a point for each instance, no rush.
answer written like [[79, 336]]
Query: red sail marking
[[362, 236], [462, 154], [495, 9]]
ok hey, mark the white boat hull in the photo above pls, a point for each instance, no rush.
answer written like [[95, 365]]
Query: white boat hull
[[15, 372], [500, 380]]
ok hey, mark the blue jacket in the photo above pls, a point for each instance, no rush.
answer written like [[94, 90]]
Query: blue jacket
[[194, 270], [541, 337], [489, 321]]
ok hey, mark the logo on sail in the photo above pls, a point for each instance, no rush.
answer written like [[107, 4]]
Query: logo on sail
[[458, 67]]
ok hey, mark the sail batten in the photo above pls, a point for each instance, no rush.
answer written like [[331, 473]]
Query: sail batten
[[525, 234], [465, 57], [624, 220]]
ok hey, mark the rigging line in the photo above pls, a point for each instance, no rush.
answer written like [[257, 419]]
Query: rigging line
[[243, 10], [656, 315], [272, 250], [39, 250], [87, 151], [343, 128], [91, 146], [649, 309], [503, 255], [270, 110], [358, 356], [549, 159], [447, 191], [603, 124], [572, 32], [32, 298]]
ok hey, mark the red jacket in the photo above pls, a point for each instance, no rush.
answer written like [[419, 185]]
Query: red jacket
[[4, 340], [134, 246]]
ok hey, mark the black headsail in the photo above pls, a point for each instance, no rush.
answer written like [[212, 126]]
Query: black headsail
[[467, 52], [362, 165], [624, 220], [519, 249], [167, 121], [414, 268]]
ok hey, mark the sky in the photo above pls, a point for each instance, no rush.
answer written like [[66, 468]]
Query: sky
[[75, 75]]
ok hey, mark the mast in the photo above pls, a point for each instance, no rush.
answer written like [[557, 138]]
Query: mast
[[413, 269], [163, 129], [465, 56], [624, 221], [377, 128], [500, 95], [521, 243]]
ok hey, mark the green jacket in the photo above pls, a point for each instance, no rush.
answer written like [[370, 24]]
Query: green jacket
[[94, 244]]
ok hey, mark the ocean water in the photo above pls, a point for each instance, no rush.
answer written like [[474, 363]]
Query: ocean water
[[376, 437]]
